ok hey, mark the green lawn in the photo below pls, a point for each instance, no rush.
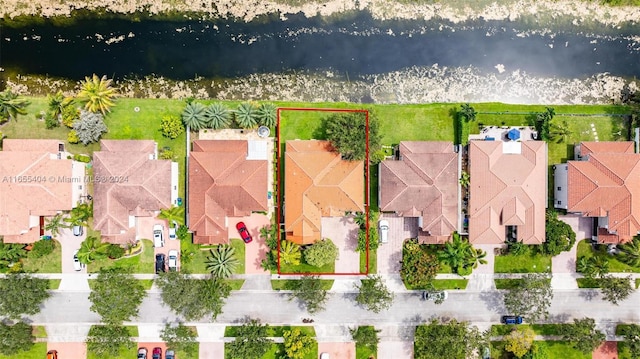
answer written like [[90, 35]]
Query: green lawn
[[307, 268], [539, 329], [281, 284], [277, 350], [507, 283], [146, 283], [637, 283], [139, 263], [615, 266], [554, 349], [235, 284], [51, 263], [373, 262], [37, 351], [528, 263], [588, 282], [363, 352], [442, 284], [198, 256], [54, 283]]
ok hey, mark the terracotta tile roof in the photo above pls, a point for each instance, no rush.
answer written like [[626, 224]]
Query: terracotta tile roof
[[318, 183], [22, 203], [605, 184], [423, 184], [223, 183], [507, 189], [606, 147], [146, 187]]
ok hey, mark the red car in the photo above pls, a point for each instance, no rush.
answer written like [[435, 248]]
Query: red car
[[157, 353], [244, 232]]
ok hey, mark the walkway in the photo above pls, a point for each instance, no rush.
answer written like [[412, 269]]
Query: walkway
[[563, 266]]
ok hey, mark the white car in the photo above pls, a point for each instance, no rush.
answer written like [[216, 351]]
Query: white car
[[173, 260], [77, 266], [158, 239], [384, 230], [172, 233], [324, 356]]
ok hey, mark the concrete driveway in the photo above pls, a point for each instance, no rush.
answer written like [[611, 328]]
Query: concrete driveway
[[77, 350], [339, 350], [390, 253], [145, 230], [343, 232], [70, 244], [257, 250]]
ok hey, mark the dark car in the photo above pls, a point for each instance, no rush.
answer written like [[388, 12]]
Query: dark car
[[160, 263], [244, 232], [170, 354], [157, 353], [511, 319]]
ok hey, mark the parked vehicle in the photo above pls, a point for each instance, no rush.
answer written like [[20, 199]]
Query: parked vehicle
[[52, 354], [172, 233], [244, 232], [77, 231], [157, 353], [325, 356], [142, 353], [511, 319], [169, 354], [173, 260], [486, 353], [158, 240], [439, 295], [160, 263], [384, 230], [77, 266]]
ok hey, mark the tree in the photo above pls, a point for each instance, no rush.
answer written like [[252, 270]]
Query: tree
[[519, 341], [108, 340], [559, 235], [11, 106], [222, 261], [465, 179], [366, 336], [11, 253], [57, 104], [91, 249], [631, 333], [267, 114], [583, 335], [543, 123], [97, 94], [309, 292], [180, 338], [171, 126], [218, 116], [452, 339], [69, 115], [173, 214], [560, 132], [320, 253], [419, 267], [79, 216], [89, 127], [476, 256], [532, 298], [250, 341], [246, 115], [22, 294], [630, 252], [615, 290], [297, 344], [373, 294], [347, 133], [467, 112], [290, 253], [192, 298], [193, 116], [15, 338], [460, 255], [592, 267], [53, 224], [116, 296]]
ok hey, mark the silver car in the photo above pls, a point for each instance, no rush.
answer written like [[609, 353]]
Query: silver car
[[384, 230], [173, 260]]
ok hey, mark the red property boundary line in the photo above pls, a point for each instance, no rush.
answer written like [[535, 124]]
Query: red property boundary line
[[366, 183]]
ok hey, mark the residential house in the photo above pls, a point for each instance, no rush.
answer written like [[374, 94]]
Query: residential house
[[227, 179], [423, 182], [508, 186], [318, 183], [602, 183], [130, 183], [36, 181]]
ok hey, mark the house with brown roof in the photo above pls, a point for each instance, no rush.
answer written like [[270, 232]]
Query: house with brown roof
[[227, 178], [423, 182], [36, 181], [508, 186], [318, 183], [603, 182], [130, 183]]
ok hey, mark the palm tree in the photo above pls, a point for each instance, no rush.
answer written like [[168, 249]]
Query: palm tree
[[57, 104], [54, 224], [92, 249], [173, 214], [468, 112], [267, 114], [600, 266], [455, 252], [246, 115], [218, 116], [464, 179], [630, 253], [11, 105], [11, 253], [560, 133], [222, 262], [193, 116], [80, 214], [476, 256], [97, 94], [290, 252], [583, 265]]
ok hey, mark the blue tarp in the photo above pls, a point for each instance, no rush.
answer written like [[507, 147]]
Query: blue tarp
[[514, 134]]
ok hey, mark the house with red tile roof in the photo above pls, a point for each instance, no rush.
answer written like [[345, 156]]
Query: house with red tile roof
[[226, 179], [130, 183], [603, 183], [318, 183], [508, 186], [36, 181], [423, 183]]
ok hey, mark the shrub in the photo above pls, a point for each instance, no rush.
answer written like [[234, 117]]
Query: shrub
[[518, 248], [42, 248], [171, 126], [72, 137], [82, 158], [114, 251], [69, 115], [166, 155], [320, 253], [89, 127], [51, 122], [183, 233]]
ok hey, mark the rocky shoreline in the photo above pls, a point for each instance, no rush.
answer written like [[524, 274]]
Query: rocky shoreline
[[248, 10]]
